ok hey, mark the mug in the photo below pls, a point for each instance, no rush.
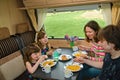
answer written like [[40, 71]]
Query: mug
[[67, 73], [46, 69], [59, 50], [75, 48]]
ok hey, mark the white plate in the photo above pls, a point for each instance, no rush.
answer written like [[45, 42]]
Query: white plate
[[78, 53], [67, 56], [50, 62], [73, 66]]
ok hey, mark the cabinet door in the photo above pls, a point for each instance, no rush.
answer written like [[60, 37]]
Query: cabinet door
[[33, 0], [80, 0], [32, 3], [87, 1], [58, 1]]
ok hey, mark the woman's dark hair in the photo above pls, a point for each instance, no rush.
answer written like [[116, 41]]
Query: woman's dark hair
[[40, 35], [93, 25], [111, 34]]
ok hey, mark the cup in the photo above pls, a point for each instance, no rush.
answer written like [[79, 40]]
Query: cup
[[46, 69], [59, 50], [75, 48], [55, 56], [67, 73]]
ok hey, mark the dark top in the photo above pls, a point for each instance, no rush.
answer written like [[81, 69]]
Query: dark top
[[111, 68], [29, 76], [44, 51]]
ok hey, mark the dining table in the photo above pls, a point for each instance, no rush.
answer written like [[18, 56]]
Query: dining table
[[57, 71]]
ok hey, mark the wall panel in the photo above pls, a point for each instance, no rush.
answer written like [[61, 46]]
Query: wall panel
[[10, 15]]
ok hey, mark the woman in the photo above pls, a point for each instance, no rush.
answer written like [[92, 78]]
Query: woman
[[110, 40], [91, 30], [42, 42]]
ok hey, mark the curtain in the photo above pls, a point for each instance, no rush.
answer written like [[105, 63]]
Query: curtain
[[31, 13], [116, 13], [106, 11], [41, 17]]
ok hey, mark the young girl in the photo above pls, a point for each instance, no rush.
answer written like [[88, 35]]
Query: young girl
[[42, 42], [32, 59]]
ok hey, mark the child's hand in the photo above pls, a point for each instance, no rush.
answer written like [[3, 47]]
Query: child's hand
[[45, 56], [50, 52], [42, 58]]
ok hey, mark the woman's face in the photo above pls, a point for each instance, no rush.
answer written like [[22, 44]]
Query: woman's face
[[44, 40], [108, 47], [90, 33]]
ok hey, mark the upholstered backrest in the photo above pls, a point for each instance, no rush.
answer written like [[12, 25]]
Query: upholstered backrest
[[27, 37], [8, 46], [21, 28], [4, 33], [11, 60]]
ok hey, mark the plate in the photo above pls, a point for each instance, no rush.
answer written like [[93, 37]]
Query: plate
[[80, 54], [50, 62], [74, 67], [65, 57]]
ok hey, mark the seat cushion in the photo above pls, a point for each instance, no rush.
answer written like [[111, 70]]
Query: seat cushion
[[12, 66]]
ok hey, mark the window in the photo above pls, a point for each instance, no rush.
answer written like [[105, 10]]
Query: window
[[59, 23]]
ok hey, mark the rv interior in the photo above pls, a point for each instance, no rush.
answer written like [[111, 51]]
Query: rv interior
[[20, 20]]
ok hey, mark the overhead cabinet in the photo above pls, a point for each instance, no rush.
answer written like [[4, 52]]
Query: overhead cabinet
[[34, 3], [60, 3], [54, 2]]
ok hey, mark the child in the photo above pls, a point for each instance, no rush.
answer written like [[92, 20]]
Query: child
[[32, 59], [42, 42]]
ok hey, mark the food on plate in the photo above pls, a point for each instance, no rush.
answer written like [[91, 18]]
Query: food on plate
[[74, 67], [78, 54], [64, 57], [49, 62]]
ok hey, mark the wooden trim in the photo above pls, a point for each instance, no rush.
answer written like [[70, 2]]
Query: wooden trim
[[10, 57], [65, 44], [56, 3]]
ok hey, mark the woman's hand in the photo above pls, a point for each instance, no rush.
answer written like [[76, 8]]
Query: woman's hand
[[79, 59], [82, 47]]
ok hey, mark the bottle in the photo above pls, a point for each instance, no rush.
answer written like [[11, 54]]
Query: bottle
[[55, 56]]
